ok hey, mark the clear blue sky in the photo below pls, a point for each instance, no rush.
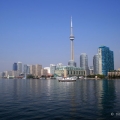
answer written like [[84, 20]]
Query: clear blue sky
[[37, 31]]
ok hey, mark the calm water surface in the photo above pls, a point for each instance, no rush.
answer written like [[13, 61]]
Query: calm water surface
[[53, 100]]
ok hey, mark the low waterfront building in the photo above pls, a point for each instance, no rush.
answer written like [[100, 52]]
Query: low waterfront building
[[91, 70], [11, 73], [115, 73], [48, 69], [44, 72], [16, 73], [67, 71], [118, 69]]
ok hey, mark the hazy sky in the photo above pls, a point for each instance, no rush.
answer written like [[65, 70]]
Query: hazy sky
[[37, 31]]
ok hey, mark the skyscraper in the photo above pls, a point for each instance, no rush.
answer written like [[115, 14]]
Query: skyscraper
[[52, 68], [15, 66], [26, 69], [38, 70], [84, 62], [19, 67], [106, 60], [72, 62], [96, 64], [32, 69]]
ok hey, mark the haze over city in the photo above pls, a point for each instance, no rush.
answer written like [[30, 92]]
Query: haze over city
[[37, 32]]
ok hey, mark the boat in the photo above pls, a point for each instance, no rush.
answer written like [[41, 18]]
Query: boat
[[59, 78], [68, 79], [10, 77], [25, 77], [81, 77]]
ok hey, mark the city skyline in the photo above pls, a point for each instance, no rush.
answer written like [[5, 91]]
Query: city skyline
[[38, 32]]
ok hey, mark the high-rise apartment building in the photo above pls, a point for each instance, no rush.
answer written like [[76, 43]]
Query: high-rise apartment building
[[38, 70], [19, 67], [26, 69], [96, 64], [15, 66], [52, 68], [84, 62], [33, 70], [106, 60]]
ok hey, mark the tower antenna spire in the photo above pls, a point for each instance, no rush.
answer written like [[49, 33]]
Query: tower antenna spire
[[71, 28]]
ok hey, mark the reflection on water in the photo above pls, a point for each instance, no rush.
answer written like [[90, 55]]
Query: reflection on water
[[43, 99]]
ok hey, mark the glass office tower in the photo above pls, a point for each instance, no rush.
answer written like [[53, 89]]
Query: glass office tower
[[106, 60], [96, 64], [84, 62], [52, 69], [15, 67], [19, 67]]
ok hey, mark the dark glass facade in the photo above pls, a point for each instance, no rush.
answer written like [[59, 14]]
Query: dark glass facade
[[15, 66], [107, 59]]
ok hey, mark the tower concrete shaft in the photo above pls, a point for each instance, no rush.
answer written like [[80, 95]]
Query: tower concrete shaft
[[72, 38], [72, 51]]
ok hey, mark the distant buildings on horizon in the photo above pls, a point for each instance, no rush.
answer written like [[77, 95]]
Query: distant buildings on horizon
[[103, 62]]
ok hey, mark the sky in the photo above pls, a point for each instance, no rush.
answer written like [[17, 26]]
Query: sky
[[37, 31]]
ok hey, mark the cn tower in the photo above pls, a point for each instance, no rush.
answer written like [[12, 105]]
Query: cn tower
[[71, 62]]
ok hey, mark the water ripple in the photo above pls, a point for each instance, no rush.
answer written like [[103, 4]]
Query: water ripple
[[53, 100]]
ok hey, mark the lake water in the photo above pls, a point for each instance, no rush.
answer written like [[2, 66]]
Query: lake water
[[53, 100]]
